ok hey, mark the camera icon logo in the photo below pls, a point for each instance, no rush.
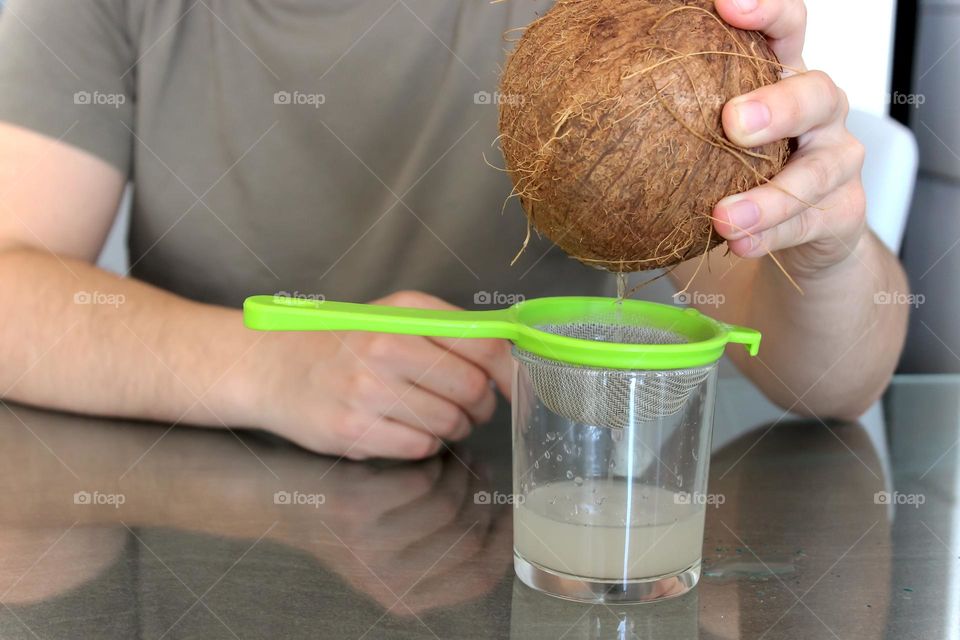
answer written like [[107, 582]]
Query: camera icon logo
[[482, 297], [82, 97], [82, 497], [82, 297], [881, 497], [482, 497], [282, 97], [281, 497], [483, 97], [882, 297]]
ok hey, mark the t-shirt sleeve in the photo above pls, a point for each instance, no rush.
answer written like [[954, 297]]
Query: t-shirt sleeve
[[66, 71]]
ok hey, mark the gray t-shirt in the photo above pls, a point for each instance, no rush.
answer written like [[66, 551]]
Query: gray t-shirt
[[331, 147]]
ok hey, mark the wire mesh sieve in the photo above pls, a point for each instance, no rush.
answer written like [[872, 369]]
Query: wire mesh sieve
[[611, 398]]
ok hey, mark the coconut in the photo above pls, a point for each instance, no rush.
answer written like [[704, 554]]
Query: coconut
[[610, 123]]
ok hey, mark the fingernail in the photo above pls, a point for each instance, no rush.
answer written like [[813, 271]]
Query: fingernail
[[743, 215], [753, 116], [745, 6]]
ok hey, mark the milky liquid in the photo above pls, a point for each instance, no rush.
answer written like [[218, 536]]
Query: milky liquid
[[608, 530]]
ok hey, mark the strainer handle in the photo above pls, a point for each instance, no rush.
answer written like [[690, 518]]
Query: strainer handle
[[277, 313], [750, 338]]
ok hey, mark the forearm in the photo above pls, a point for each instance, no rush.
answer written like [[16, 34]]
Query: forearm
[[80, 339], [829, 352]]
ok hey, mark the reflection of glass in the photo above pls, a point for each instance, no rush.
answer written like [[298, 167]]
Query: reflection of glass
[[534, 616], [610, 514]]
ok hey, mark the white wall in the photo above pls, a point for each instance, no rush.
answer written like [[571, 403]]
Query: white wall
[[852, 40]]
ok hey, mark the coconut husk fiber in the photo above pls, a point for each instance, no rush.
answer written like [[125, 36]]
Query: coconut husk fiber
[[610, 124]]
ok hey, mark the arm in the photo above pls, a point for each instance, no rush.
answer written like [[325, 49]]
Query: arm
[[146, 353], [134, 351], [831, 351]]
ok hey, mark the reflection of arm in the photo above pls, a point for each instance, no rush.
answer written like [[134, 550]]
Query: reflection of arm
[[797, 497], [196, 481], [40, 563], [397, 521]]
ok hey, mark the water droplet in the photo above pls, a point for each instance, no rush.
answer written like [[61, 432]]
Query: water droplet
[[546, 455], [578, 481], [551, 436], [569, 475], [536, 465], [559, 457]]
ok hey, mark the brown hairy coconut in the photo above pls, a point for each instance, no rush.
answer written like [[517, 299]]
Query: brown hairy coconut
[[610, 124]]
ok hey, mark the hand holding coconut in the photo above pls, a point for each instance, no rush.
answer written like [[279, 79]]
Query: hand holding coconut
[[823, 171], [630, 120]]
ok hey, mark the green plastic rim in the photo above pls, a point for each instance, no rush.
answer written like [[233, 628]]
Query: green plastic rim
[[706, 338]]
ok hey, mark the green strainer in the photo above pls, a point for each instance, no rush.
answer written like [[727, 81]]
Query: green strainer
[[580, 352]]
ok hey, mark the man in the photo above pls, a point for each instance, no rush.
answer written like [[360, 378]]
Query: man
[[335, 148]]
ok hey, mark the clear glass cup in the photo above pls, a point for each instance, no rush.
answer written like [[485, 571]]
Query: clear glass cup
[[607, 514]]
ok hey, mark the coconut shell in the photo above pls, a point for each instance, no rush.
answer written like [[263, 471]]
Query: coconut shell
[[610, 122]]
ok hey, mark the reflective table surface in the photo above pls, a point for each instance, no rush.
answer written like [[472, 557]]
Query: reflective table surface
[[112, 529]]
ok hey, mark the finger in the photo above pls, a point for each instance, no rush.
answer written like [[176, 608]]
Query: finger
[[493, 356], [425, 364], [784, 22], [467, 535], [485, 568], [457, 379], [399, 399], [380, 437], [788, 109], [427, 514], [840, 221], [365, 488], [425, 411], [808, 178]]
